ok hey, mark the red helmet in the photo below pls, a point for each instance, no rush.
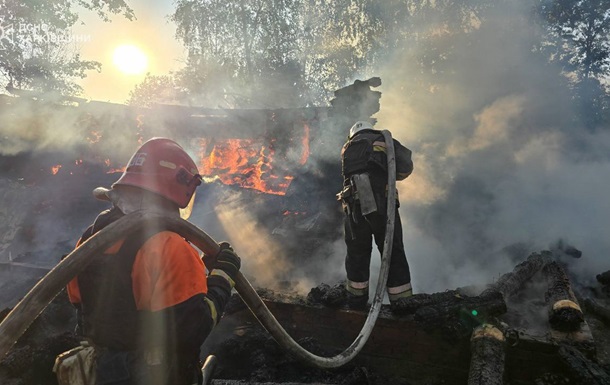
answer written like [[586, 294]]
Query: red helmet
[[163, 167]]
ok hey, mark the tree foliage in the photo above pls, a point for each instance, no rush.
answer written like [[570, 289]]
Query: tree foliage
[[37, 49], [580, 33], [155, 89], [579, 41], [299, 51], [309, 48]]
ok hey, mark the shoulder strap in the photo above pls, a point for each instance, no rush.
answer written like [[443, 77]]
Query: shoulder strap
[[356, 154], [105, 218]]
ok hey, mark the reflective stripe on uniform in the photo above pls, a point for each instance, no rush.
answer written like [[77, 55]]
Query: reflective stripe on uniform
[[379, 146], [357, 288], [402, 291], [224, 275], [213, 311]]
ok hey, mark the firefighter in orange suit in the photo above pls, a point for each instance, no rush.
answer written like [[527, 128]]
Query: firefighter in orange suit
[[147, 304], [364, 199]]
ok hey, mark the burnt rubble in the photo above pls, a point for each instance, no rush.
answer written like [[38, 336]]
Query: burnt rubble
[[604, 278], [435, 331], [31, 360]]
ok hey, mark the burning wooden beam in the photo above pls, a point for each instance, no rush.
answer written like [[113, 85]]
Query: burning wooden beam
[[488, 352], [565, 313]]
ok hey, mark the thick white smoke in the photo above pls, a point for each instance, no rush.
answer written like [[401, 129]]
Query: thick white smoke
[[498, 158]]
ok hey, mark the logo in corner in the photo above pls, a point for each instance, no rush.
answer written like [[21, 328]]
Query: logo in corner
[[6, 34]]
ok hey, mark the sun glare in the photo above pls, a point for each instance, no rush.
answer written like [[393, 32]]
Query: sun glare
[[130, 59]]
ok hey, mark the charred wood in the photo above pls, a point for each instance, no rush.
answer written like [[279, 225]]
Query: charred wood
[[487, 346], [357, 101], [604, 278], [335, 296], [412, 304], [564, 312], [510, 283], [489, 305], [583, 370], [598, 310], [458, 316], [561, 248]]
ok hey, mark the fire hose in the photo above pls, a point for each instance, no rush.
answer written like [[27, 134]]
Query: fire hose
[[35, 301]]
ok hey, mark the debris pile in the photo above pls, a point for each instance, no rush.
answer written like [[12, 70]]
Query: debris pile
[[31, 360], [434, 340]]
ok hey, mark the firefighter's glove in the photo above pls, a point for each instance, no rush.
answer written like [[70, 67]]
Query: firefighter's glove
[[227, 265], [224, 245]]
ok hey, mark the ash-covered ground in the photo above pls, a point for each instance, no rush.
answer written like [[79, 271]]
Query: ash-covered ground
[[247, 354]]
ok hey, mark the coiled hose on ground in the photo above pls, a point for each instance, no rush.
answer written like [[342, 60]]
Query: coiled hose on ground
[[28, 309]]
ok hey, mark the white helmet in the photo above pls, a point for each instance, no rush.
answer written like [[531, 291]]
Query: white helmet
[[359, 126]]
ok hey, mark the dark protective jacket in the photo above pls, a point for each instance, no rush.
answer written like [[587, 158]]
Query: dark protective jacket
[[366, 152], [147, 295]]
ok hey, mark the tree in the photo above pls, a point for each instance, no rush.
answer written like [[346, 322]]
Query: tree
[[246, 44], [35, 43], [302, 50], [579, 40], [581, 29], [154, 90]]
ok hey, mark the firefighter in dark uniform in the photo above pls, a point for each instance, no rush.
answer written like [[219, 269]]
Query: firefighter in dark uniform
[[364, 199], [148, 302]]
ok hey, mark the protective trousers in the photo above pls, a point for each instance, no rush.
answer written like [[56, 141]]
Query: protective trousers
[[359, 247]]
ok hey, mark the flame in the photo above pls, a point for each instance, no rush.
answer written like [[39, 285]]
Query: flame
[[95, 137], [243, 162], [252, 163], [114, 170], [55, 169]]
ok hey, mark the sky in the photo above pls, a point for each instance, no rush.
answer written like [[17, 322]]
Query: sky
[[152, 32]]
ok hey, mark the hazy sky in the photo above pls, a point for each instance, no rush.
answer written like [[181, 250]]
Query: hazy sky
[[152, 32]]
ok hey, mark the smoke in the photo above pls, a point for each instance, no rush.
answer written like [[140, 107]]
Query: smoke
[[21, 132], [499, 160], [498, 157], [264, 263]]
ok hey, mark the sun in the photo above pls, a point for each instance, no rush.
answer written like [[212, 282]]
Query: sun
[[130, 59]]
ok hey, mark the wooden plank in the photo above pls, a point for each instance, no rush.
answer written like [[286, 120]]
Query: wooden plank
[[399, 346]]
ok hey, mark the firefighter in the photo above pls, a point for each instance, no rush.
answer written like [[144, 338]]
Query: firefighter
[[364, 201], [146, 305]]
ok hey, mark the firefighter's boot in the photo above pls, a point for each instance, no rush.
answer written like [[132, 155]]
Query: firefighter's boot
[[357, 302], [399, 299]]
